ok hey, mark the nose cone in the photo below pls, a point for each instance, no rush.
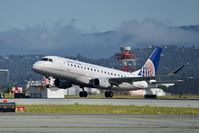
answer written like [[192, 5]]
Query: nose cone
[[36, 67]]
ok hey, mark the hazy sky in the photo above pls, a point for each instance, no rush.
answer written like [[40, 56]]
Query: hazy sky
[[97, 15]]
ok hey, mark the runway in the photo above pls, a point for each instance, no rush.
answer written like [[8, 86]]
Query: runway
[[51, 123], [136, 102], [79, 123]]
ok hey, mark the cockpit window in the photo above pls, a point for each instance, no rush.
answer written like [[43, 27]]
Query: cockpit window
[[44, 59], [51, 60], [47, 59]]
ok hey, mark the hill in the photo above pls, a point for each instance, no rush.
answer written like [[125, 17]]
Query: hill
[[20, 66]]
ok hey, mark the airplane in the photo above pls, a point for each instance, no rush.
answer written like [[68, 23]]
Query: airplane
[[68, 72]]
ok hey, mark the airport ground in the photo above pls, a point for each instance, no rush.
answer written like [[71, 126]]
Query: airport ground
[[79, 123], [40, 119], [134, 102]]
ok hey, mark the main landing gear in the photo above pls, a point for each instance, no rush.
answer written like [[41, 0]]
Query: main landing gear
[[83, 93], [109, 94]]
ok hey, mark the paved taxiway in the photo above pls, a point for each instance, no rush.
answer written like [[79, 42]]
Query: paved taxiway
[[137, 102], [51, 123]]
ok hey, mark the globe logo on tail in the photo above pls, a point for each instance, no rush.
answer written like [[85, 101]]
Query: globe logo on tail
[[148, 70]]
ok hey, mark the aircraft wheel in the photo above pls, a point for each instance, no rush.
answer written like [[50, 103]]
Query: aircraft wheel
[[108, 94], [81, 93], [85, 93]]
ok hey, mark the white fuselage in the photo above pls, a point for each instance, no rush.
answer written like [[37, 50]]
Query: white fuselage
[[81, 73]]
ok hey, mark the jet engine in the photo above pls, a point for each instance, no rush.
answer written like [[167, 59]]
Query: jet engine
[[62, 83], [101, 83]]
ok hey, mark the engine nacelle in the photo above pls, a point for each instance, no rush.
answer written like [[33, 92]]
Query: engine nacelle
[[101, 83], [62, 83]]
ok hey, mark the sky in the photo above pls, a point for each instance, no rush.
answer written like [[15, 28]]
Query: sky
[[71, 27], [95, 15]]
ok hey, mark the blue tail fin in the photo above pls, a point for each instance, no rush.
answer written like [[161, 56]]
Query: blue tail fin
[[151, 65]]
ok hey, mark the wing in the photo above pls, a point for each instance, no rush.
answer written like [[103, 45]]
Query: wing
[[117, 81], [166, 82]]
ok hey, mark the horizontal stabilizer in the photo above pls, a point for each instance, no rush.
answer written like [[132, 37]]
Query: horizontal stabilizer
[[177, 69], [174, 72]]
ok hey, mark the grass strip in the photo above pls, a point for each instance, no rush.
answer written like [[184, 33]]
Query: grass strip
[[109, 109]]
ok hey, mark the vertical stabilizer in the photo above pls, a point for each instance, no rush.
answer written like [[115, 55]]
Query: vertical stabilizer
[[151, 65]]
